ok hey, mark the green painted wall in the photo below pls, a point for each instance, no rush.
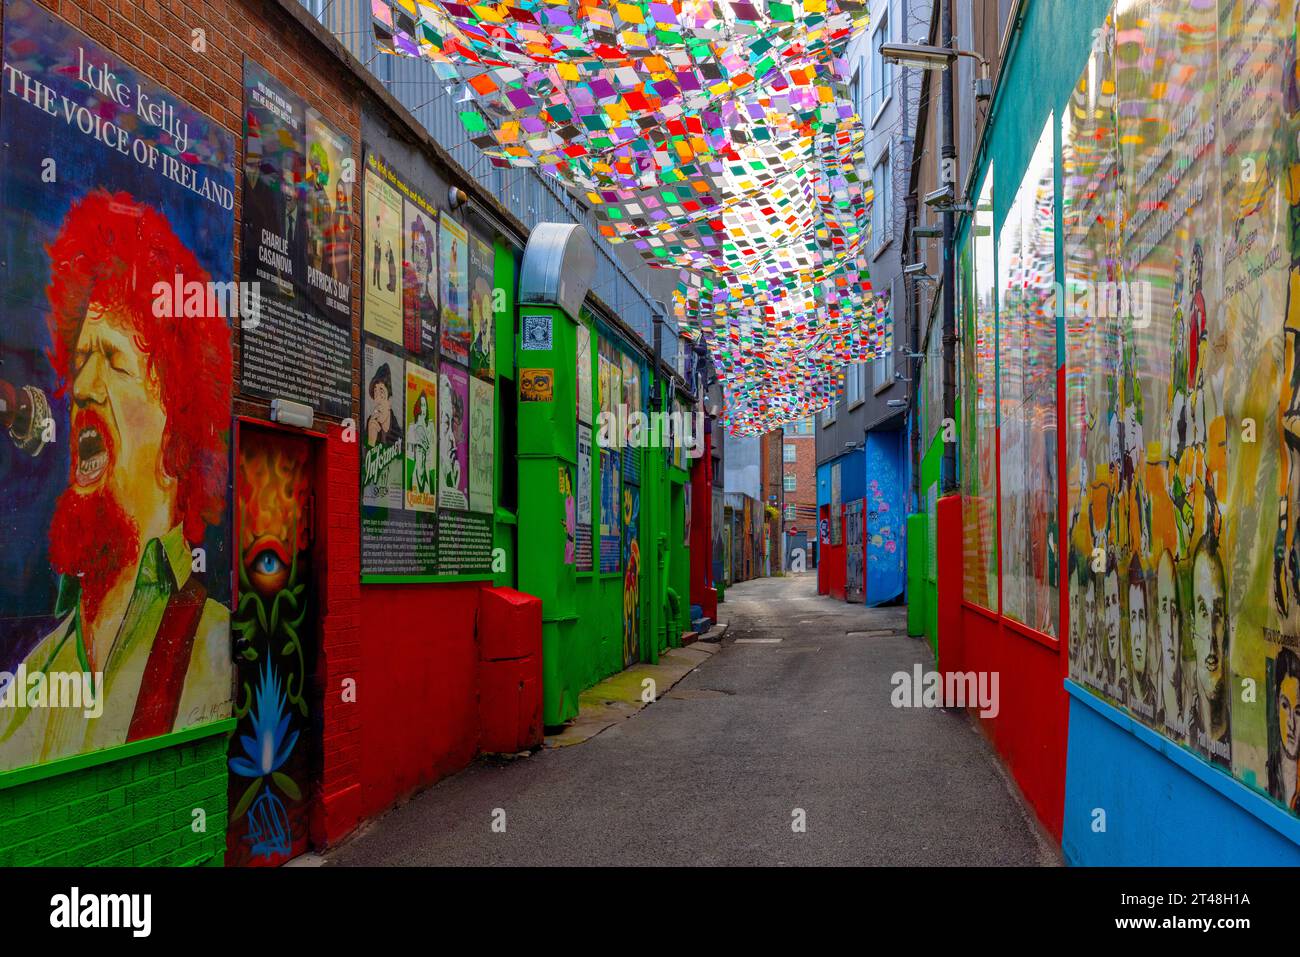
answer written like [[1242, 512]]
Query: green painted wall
[[504, 530], [128, 806], [583, 612]]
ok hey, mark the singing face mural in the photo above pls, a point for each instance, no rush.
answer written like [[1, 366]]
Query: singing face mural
[[148, 413]]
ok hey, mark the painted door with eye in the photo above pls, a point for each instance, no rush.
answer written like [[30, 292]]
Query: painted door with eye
[[273, 751]]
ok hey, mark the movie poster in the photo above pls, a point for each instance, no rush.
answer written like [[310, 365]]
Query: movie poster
[[454, 276], [421, 439], [331, 175], [382, 434], [381, 300], [482, 320], [610, 505], [445, 526], [419, 280], [583, 533], [297, 240], [480, 445], [111, 459], [453, 439]]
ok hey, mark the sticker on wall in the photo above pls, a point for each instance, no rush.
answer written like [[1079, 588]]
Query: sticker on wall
[[536, 332], [536, 385]]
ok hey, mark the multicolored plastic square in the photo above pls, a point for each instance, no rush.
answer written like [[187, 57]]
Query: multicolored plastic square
[[714, 137]]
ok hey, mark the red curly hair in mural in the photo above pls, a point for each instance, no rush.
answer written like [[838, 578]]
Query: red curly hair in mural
[[112, 249]]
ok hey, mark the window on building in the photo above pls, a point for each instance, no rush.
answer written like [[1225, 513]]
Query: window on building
[[790, 482], [882, 372], [789, 513], [882, 71], [828, 414], [854, 384], [882, 208], [790, 452], [855, 91]]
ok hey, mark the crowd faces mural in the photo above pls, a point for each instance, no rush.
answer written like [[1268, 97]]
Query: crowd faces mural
[[1181, 311], [116, 442]]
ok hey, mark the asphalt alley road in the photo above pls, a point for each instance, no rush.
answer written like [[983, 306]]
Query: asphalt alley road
[[713, 771]]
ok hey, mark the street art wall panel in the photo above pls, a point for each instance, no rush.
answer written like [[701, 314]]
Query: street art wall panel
[[979, 410], [427, 434], [1182, 184], [115, 370], [274, 627], [886, 516], [297, 248], [1026, 259]]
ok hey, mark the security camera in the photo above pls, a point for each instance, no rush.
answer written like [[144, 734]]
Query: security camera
[[913, 269], [940, 197]]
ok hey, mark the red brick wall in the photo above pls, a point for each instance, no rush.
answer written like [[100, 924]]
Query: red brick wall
[[804, 469], [411, 650]]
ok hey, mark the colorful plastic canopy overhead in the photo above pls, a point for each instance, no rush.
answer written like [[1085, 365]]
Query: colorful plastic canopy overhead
[[713, 137]]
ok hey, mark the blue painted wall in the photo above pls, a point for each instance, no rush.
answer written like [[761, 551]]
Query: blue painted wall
[[1163, 804], [886, 532]]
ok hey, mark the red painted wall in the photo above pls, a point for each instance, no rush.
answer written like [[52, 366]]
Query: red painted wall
[[418, 694], [702, 591], [339, 809], [1029, 731], [830, 566]]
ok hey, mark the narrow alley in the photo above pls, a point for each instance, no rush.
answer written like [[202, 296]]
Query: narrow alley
[[793, 713]]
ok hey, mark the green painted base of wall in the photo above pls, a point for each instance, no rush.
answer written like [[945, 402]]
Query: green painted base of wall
[[131, 812], [917, 592]]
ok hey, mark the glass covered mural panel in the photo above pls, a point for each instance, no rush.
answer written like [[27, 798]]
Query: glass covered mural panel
[[1181, 177], [1026, 265], [979, 410]]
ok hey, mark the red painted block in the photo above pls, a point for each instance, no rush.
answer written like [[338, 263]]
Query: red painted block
[[510, 704], [509, 625]]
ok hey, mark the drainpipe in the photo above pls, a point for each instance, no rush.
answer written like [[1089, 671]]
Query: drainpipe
[[949, 169]]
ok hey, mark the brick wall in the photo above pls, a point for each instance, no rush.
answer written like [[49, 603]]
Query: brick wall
[[804, 469], [135, 811], [138, 810]]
